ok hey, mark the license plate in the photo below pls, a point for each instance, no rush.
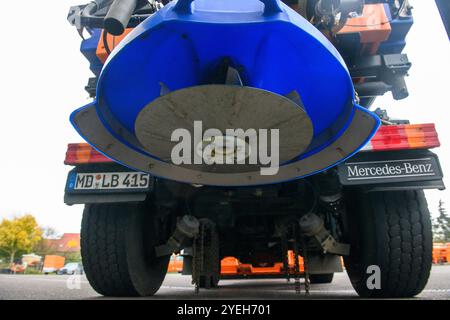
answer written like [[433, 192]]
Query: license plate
[[109, 181], [395, 170]]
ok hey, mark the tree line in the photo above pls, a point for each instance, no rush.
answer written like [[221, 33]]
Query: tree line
[[23, 235]]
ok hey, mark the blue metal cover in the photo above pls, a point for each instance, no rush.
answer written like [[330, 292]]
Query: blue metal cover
[[274, 48]]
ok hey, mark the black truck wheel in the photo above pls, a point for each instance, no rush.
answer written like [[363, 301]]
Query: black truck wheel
[[117, 242], [321, 278], [392, 231]]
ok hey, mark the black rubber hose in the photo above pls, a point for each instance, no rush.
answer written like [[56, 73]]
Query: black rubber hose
[[119, 15], [105, 42], [372, 89]]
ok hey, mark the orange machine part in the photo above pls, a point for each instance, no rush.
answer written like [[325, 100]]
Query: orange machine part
[[175, 264], [373, 26], [112, 41], [441, 253], [229, 266], [276, 269]]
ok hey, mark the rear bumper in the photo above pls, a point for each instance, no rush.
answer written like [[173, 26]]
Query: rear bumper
[[367, 171]]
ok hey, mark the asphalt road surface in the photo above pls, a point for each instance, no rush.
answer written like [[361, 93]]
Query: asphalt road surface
[[179, 287]]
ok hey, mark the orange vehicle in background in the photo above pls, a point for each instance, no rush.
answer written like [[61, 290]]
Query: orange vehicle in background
[[441, 253], [53, 264], [175, 264], [17, 268], [233, 268]]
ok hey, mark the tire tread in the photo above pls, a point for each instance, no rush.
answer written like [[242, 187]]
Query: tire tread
[[403, 229]]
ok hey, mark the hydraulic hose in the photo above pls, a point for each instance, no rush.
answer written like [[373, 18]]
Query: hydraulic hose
[[119, 15]]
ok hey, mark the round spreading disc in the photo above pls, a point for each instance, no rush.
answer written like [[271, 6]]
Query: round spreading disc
[[248, 112]]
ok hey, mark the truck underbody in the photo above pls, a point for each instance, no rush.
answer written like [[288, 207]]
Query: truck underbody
[[370, 210], [319, 218]]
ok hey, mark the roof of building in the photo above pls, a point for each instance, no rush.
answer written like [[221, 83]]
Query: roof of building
[[69, 242]]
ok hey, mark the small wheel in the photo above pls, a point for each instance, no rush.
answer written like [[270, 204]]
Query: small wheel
[[117, 248], [321, 278], [392, 231]]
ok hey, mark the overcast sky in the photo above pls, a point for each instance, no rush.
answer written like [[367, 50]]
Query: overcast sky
[[42, 79]]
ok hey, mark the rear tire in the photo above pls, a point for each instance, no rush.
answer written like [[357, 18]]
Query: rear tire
[[117, 242], [391, 230], [321, 278]]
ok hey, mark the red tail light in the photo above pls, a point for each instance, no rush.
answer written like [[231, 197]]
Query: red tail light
[[401, 137], [82, 153]]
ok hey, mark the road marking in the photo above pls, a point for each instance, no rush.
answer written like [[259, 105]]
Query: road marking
[[436, 290], [25, 277]]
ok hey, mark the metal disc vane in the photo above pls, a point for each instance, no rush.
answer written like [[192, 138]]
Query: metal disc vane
[[247, 114]]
